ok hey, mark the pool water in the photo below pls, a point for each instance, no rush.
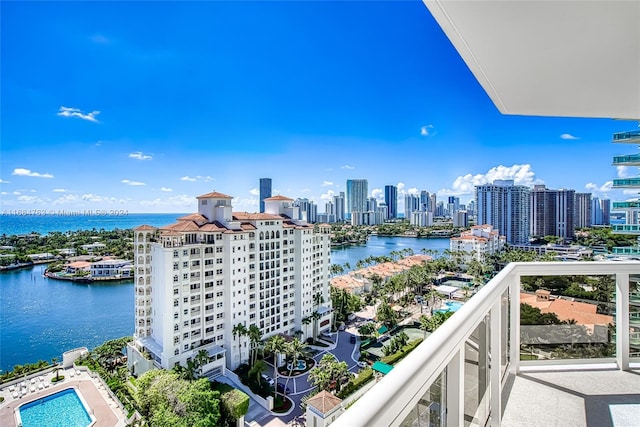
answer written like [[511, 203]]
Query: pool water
[[450, 306], [62, 409]]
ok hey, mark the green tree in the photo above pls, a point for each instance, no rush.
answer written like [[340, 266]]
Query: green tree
[[239, 330], [275, 344]]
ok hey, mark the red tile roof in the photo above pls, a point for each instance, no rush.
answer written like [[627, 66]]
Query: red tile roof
[[324, 401], [144, 228], [278, 197], [214, 195], [195, 217], [239, 216]]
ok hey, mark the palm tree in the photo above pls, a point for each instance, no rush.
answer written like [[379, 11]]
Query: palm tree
[[294, 350], [315, 316], [57, 370], [276, 345], [201, 359], [306, 321], [240, 330], [424, 325], [255, 337]]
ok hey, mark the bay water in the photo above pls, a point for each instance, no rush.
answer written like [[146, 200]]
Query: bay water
[[41, 318]]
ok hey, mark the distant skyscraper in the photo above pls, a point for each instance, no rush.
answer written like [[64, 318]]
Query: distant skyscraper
[[265, 191], [372, 204], [583, 210], [339, 202], [506, 207], [434, 203], [552, 212], [357, 193], [411, 204], [391, 199], [425, 201], [605, 207]]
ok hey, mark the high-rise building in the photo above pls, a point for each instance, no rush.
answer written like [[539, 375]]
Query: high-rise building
[[552, 212], [425, 201], [630, 207], [339, 202], [434, 203], [605, 208], [583, 210], [265, 191], [308, 210], [357, 193], [411, 204], [372, 204], [506, 207], [391, 199], [460, 219], [215, 269]]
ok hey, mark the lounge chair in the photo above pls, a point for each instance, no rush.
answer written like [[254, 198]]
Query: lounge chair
[[32, 389], [40, 386], [71, 373], [47, 384], [78, 373], [15, 395]]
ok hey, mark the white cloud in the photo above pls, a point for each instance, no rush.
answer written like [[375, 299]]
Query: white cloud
[[100, 39], [604, 188], [623, 172], [134, 183], [180, 201], [2, 181], [328, 196], [16, 193], [254, 191], [378, 194], [413, 191], [75, 112], [4, 193], [400, 186], [521, 174], [197, 178], [166, 189], [29, 199], [138, 155], [568, 136], [347, 167], [29, 172], [327, 183], [60, 190], [427, 130]]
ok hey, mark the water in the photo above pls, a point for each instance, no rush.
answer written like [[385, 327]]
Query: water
[[378, 246], [41, 318], [450, 306], [44, 222], [63, 409]]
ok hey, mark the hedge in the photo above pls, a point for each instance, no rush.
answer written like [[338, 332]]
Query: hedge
[[235, 403], [364, 376], [395, 357]]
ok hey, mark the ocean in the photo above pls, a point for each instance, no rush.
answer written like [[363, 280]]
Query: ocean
[[40, 221]]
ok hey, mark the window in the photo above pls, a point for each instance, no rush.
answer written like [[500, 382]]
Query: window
[[176, 327], [175, 254], [175, 315], [176, 302], [176, 291]]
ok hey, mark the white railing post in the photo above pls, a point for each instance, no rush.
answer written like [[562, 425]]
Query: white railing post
[[514, 336], [495, 374], [622, 321], [455, 389]]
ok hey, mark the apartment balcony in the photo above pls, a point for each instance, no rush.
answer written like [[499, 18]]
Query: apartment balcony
[[626, 250], [626, 183], [473, 370], [631, 137], [626, 228], [629, 160], [632, 205]]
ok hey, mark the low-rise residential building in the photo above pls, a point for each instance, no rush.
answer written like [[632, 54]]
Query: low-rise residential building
[[480, 241], [118, 268]]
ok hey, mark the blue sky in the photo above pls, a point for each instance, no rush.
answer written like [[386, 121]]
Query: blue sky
[[143, 106]]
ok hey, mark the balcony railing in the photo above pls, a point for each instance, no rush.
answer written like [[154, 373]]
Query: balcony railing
[[630, 160], [626, 228], [458, 374], [626, 205], [631, 137], [626, 183]]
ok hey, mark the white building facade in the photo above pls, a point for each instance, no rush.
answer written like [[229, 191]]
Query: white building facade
[[212, 270], [480, 241]]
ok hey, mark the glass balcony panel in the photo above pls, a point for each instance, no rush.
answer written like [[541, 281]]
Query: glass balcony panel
[[476, 376], [430, 411], [567, 317], [629, 160], [627, 137], [626, 228], [626, 183]]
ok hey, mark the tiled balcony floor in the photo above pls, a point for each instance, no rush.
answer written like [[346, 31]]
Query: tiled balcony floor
[[601, 398]]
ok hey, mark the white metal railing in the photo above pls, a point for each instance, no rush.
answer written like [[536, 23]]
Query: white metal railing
[[442, 355]]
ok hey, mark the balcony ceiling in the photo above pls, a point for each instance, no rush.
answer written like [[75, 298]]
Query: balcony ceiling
[[550, 58]]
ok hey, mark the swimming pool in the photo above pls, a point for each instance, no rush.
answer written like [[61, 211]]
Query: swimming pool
[[450, 306], [62, 409]]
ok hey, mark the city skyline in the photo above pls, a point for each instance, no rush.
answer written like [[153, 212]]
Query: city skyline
[[143, 107]]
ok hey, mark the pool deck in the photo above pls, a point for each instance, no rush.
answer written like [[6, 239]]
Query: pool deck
[[104, 409]]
